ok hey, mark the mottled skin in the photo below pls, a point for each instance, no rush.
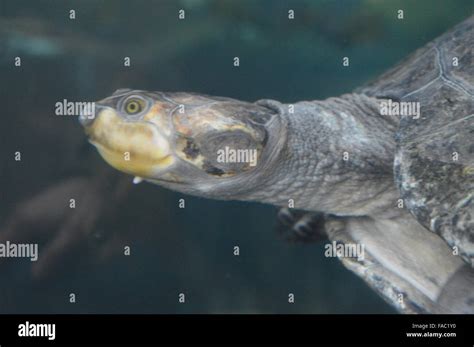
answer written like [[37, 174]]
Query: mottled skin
[[335, 157]]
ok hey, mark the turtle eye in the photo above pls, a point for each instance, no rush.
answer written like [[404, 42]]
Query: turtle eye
[[134, 105]]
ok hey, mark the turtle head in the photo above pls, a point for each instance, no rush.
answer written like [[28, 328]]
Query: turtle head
[[192, 143]]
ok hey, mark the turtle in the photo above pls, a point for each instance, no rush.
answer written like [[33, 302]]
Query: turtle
[[389, 167]]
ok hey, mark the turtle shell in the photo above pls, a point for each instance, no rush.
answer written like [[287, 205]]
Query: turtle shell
[[434, 160]]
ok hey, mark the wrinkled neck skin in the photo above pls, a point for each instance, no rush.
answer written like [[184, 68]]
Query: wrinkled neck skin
[[337, 158]]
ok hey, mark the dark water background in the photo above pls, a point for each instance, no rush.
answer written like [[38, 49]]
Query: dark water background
[[190, 250]]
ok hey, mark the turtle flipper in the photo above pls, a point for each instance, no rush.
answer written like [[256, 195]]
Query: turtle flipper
[[301, 226], [406, 264]]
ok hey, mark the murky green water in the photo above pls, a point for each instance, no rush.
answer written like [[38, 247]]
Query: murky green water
[[173, 250]]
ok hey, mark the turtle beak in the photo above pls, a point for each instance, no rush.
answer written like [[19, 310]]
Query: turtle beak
[[137, 148]]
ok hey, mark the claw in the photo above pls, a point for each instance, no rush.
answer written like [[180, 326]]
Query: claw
[[285, 216], [301, 226]]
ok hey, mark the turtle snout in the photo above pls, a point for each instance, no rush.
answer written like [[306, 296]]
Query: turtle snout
[[86, 120], [87, 115]]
